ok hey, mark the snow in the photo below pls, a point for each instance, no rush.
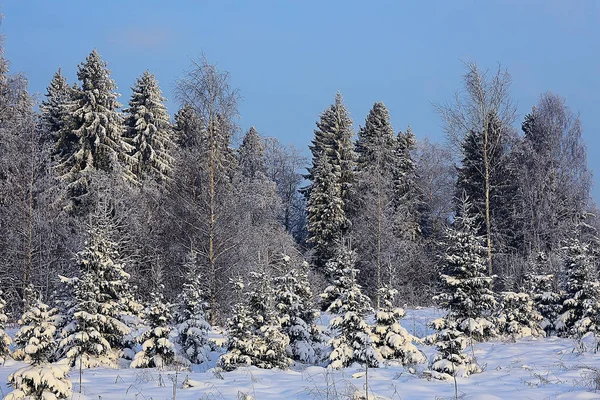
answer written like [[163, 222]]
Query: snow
[[530, 368]]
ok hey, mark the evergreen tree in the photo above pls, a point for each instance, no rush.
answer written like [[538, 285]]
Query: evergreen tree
[[352, 341], [191, 315], [294, 305], [392, 340], [332, 172], [335, 272], [465, 286], [157, 350], [96, 335], [518, 316], [5, 340], [188, 127], [148, 130], [97, 126], [36, 345], [55, 113], [580, 313], [546, 300], [251, 155]]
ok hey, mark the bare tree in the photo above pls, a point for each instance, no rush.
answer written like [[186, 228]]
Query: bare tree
[[485, 97]]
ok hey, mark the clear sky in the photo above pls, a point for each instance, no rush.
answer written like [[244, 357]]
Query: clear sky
[[288, 58]]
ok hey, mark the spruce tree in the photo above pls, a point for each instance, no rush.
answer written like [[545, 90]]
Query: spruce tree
[[188, 127], [466, 293], [352, 340], [518, 316], [251, 155], [392, 340], [97, 126], [191, 314], [546, 299], [148, 130], [36, 345], [5, 340], [332, 172], [55, 113], [581, 309], [157, 349], [293, 299]]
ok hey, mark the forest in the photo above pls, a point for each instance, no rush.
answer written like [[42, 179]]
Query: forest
[[129, 235]]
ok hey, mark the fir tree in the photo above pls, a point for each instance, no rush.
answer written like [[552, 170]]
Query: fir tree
[[251, 155], [36, 345], [191, 315], [148, 130], [332, 172], [581, 309], [465, 285], [55, 113], [5, 340], [97, 126], [188, 127], [392, 340], [546, 300], [294, 305], [157, 350], [518, 316], [352, 341]]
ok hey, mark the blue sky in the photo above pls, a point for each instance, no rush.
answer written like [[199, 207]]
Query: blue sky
[[288, 58]]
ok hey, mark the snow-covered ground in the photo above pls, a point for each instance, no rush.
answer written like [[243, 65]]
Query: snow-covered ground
[[527, 369]]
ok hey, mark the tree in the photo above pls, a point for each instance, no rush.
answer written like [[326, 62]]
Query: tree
[[55, 113], [191, 315], [251, 155], [540, 284], [392, 340], [98, 127], [332, 168], [36, 343], [5, 340], [188, 127], [157, 350], [293, 303], [352, 340], [464, 284], [518, 317], [480, 115], [148, 130]]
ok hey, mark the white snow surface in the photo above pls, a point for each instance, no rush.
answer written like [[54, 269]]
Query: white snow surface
[[542, 368]]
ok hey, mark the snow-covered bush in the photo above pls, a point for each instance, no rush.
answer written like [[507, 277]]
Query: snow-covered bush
[[393, 341], [546, 301], [518, 317], [294, 304], [41, 382], [451, 360], [191, 315], [352, 341], [466, 293], [35, 341], [581, 309], [157, 349], [5, 340]]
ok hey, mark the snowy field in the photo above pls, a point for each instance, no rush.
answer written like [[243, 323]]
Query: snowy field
[[528, 369]]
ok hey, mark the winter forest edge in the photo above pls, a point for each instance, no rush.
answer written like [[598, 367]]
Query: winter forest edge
[[130, 238]]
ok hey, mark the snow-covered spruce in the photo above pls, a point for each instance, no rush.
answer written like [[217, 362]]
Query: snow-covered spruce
[[465, 289], [517, 316], [95, 335], [334, 270], [352, 341], [148, 130], [450, 360], [157, 349], [5, 340], [581, 309], [546, 300], [294, 304], [35, 341], [393, 341], [36, 345], [191, 315]]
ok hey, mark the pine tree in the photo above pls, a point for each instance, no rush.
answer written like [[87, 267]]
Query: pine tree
[[392, 340], [465, 285], [157, 349], [580, 313], [36, 345], [148, 130], [294, 305], [55, 113], [332, 172], [518, 316], [352, 341], [5, 340], [451, 361], [97, 126], [191, 315], [96, 335]]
